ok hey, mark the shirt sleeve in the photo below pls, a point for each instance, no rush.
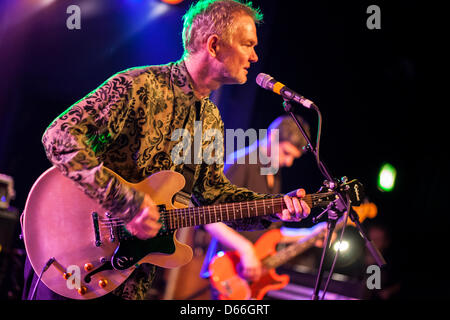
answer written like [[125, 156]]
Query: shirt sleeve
[[75, 141], [236, 174]]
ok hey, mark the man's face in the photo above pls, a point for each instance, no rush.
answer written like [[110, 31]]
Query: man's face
[[237, 55], [287, 154]]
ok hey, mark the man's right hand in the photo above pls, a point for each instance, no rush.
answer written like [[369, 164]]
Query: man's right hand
[[250, 266], [144, 224]]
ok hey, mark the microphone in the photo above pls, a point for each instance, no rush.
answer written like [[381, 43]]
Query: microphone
[[269, 83]]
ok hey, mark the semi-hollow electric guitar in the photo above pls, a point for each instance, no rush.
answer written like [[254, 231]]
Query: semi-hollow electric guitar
[[224, 272], [81, 252]]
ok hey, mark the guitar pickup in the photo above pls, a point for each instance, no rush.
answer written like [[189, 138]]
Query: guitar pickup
[[98, 241]]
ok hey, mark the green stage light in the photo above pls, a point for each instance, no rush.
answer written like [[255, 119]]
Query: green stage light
[[386, 177]]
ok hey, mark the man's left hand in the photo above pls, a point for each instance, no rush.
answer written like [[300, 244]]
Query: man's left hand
[[297, 209]]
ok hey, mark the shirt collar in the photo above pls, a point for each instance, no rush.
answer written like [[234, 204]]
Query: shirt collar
[[182, 79]]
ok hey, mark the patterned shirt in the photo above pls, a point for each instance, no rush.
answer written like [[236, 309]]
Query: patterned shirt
[[127, 125]]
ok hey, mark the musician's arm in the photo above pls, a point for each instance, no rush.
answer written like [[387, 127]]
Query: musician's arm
[[230, 238], [250, 264], [75, 141]]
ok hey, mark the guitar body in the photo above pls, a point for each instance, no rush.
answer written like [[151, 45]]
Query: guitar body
[[225, 276], [83, 253], [58, 222]]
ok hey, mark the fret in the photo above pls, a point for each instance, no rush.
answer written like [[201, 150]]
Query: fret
[[186, 217], [228, 215], [264, 206], [175, 221], [193, 217], [210, 215], [215, 214], [248, 209], [180, 219], [221, 216], [240, 204], [181, 216], [201, 212], [169, 215]]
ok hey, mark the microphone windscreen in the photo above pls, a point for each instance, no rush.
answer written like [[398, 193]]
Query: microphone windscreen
[[263, 80]]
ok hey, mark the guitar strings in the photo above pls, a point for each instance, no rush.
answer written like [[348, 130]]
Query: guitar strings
[[172, 216], [181, 211]]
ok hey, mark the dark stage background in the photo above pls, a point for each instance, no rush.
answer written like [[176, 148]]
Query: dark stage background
[[367, 83]]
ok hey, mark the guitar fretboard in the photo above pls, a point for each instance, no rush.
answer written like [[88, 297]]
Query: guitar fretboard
[[194, 216]]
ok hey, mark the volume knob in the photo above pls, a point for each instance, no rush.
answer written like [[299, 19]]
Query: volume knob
[[103, 283], [88, 266], [82, 290]]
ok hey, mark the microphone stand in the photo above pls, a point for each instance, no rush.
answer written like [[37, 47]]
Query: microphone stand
[[332, 217]]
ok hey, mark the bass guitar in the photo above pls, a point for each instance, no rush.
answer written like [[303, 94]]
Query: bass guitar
[[81, 252], [224, 271]]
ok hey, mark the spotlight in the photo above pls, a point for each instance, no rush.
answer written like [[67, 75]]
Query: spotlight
[[386, 177], [341, 246], [172, 1]]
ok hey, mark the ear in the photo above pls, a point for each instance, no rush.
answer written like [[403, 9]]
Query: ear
[[212, 45]]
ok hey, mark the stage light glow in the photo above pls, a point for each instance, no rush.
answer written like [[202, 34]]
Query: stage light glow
[[341, 246], [157, 9], [386, 178], [172, 1]]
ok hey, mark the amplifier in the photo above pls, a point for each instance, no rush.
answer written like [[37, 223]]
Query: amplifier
[[9, 227]]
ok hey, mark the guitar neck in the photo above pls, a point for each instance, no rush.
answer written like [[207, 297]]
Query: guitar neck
[[293, 250], [195, 216]]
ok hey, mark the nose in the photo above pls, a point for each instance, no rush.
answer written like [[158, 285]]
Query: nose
[[253, 56], [289, 161]]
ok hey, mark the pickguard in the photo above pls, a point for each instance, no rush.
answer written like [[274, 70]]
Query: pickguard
[[131, 251]]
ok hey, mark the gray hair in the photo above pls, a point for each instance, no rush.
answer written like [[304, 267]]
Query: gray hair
[[208, 17]]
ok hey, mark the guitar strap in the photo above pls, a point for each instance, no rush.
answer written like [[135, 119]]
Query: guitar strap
[[184, 196]]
